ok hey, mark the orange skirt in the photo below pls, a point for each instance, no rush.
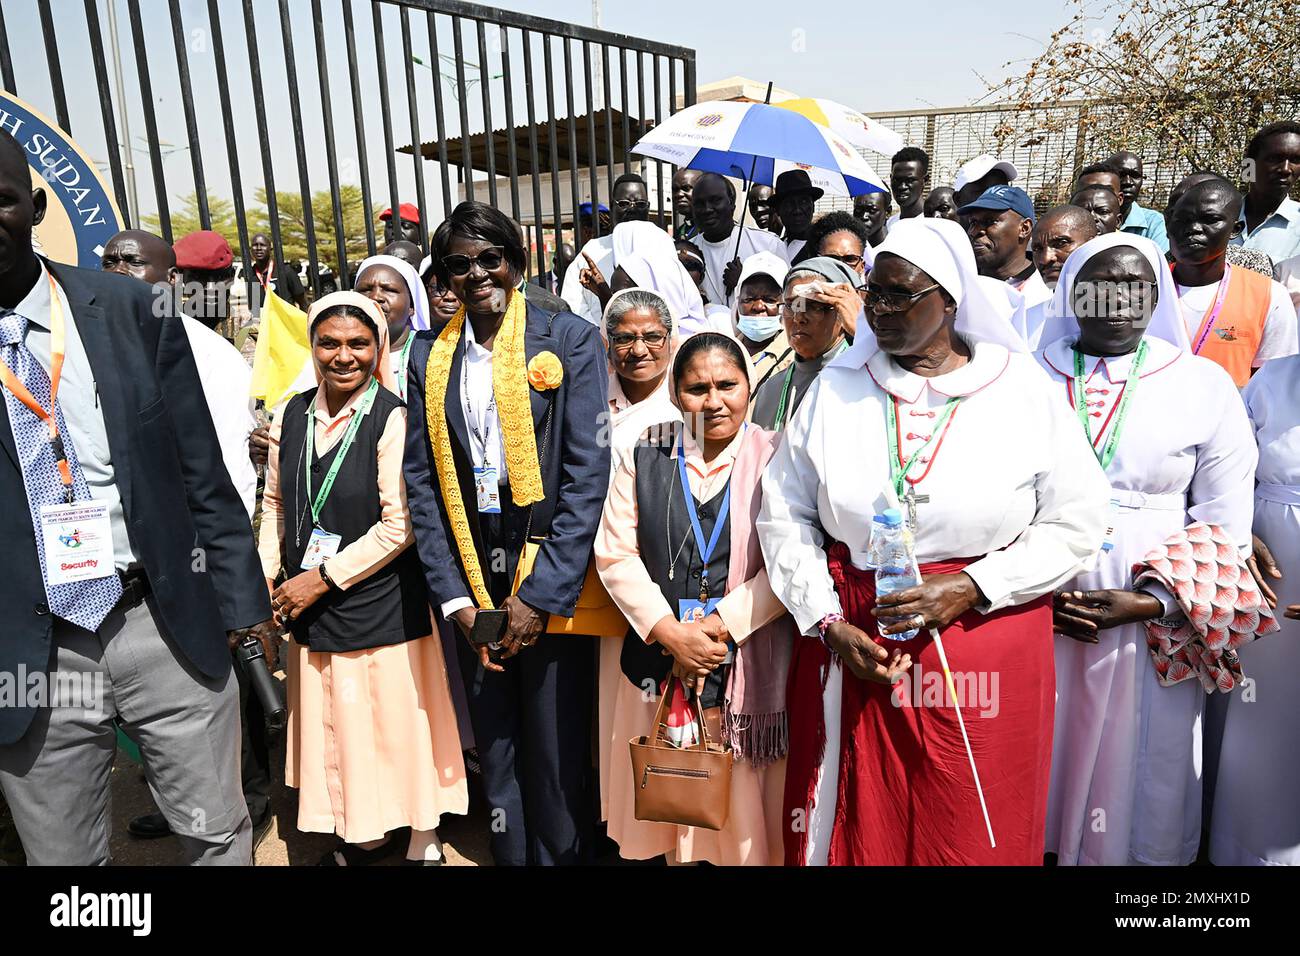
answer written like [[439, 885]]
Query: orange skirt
[[373, 742]]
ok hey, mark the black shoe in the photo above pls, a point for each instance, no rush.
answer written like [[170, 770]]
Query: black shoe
[[151, 826], [260, 829], [438, 862]]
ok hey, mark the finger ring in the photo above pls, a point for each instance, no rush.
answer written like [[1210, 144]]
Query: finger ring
[[919, 619]]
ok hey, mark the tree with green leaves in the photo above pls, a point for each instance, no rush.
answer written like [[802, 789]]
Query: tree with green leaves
[[293, 224]]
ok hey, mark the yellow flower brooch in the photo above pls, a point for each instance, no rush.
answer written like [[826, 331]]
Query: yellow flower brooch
[[545, 372]]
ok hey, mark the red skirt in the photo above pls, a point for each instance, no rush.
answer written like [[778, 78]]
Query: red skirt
[[905, 794]]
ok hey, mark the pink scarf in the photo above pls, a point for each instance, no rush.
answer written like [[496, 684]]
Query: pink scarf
[[1224, 610], [754, 719]]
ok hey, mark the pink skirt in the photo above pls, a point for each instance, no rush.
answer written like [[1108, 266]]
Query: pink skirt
[[373, 742], [752, 836]]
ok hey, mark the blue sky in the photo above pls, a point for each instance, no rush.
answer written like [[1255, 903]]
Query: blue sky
[[871, 55]]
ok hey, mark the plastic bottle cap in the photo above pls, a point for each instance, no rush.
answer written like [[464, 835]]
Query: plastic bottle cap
[[892, 517]]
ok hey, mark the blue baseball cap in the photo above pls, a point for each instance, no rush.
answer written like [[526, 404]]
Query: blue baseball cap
[[1003, 197]]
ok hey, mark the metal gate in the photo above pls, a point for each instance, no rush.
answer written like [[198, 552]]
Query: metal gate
[[296, 95]]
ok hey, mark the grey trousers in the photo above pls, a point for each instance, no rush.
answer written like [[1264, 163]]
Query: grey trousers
[[56, 777]]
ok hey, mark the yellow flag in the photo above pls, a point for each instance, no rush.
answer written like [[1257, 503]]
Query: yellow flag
[[282, 349]]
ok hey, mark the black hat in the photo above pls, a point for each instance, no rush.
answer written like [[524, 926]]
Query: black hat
[[793, 182]]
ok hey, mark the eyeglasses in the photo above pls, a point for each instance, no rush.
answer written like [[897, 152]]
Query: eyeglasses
[[622, 341], [632, 203], [853, 262], [893, 301], [489, 259]]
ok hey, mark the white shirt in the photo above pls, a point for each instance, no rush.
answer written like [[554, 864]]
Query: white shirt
[[1034, 290], [793, 247], [718, 254], [1287, 272], [1013, 483], [581, 301], [481, 417], [1273, 399], [79, 399], [226, 379], [1278, 235], [1280, 336]]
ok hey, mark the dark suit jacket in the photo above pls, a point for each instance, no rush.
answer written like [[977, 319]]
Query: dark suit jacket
[[176, 494], [575, 470]]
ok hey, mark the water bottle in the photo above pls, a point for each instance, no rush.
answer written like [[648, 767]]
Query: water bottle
[[893, 560]]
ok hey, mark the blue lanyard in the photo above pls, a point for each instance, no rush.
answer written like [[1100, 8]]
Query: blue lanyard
[[705, 550]]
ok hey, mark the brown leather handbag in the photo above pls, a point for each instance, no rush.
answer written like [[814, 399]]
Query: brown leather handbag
[[686, 786]]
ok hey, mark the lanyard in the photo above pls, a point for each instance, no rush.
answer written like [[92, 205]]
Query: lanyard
[[897, 475], [268, 277], [787, 387], [1121, 413], [481, 440], [705, 548], [20, 391], [1220, 295], [362, 410], [401, 368]]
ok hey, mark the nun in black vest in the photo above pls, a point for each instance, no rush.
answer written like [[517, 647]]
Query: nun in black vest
[[373, 745]]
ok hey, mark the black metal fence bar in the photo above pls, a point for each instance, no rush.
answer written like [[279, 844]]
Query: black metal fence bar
[[6, 61], [232, 150], [489, 135], [359, 123], [55, 67], [187, 107], [300, 151], [592, 150], [467, 169], [331, 150], [512, 150], [105, 105], [386, 115], [533, 161], [150, 120], [413, 108], [263, 141], [575, 193], [659, 118], [557, 218], [435, 64], [627, 126]]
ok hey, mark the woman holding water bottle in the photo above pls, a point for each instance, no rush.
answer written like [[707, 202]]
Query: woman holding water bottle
[[677, 552], [937, 411]]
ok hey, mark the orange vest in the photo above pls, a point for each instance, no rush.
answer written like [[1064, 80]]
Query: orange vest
[[1239, 330]]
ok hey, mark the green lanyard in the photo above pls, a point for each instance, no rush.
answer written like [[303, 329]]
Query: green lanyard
[[401, 368], [899, 476], [362, 410], [1121, 413], [788, 385]]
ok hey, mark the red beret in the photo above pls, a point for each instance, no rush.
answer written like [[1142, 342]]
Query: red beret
[[205, 250], [405, 210]]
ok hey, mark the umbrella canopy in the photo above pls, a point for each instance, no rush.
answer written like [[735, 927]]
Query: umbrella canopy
[[735, 139], [858, 128]]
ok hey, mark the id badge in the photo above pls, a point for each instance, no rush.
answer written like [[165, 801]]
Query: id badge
[[321, 546], [692, 612], [1112, 519], [78, 542], [487, 489]]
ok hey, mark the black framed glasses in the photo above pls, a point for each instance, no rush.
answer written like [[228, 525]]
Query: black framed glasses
[[622, 341], [853, 262], [893, 301], [490, 258]]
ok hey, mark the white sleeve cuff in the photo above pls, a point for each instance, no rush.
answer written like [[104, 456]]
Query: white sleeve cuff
[[455, 604]]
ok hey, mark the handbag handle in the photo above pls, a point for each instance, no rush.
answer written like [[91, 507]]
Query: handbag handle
[[698, 707]]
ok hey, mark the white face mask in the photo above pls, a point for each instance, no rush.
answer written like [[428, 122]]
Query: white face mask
[[758, 328]]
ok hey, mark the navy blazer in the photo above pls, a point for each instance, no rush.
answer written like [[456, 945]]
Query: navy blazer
[[183, 515], [575, 469]]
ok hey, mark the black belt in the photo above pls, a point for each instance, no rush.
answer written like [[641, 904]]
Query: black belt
[[135, 588]]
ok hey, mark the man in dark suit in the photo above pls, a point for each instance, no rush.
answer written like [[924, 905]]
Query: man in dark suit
[[531, 704], [107, 444]]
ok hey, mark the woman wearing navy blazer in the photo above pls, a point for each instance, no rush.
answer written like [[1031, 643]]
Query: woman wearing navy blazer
[[504, 444]]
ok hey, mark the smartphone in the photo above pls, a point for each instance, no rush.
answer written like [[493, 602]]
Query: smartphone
[[489, 626]]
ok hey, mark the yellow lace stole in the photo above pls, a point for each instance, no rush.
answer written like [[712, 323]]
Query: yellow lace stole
[[510, 386]]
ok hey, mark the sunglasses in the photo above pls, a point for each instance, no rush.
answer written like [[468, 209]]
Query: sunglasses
[[489, 260]]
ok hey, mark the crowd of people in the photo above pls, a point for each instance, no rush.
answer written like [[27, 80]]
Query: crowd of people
[[498, 526]]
